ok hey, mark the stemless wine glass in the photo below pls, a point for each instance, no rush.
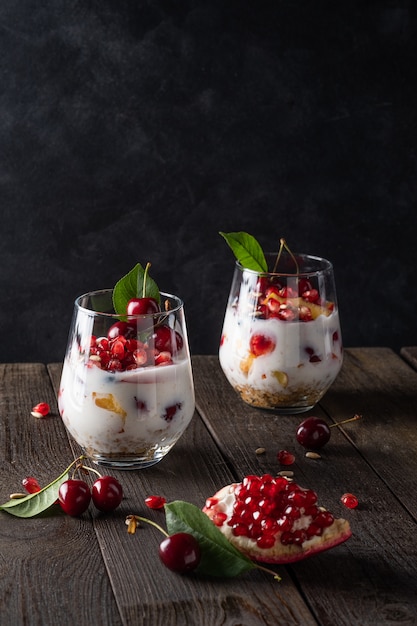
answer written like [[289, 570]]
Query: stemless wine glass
[[126, 393], [281, 345]]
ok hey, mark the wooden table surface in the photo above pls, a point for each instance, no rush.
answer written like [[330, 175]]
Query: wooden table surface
[[56, 569]]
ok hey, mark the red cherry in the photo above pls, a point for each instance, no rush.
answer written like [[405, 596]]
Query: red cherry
[[142, 306], [180, 552], [74, 496], [107, 493], [125, 329], [167, 340], [313, 433]]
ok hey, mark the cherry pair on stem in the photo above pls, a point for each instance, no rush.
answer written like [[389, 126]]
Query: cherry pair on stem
[[75, 494]]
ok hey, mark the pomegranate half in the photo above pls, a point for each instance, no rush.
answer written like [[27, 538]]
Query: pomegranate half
[[274, 520]]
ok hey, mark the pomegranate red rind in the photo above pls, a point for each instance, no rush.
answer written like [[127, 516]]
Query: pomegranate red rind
[[273, 520]]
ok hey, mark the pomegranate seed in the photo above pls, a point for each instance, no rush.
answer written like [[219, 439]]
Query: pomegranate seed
[[292, 512], [286, 538], [304, 285], [297, 498], [31, 484], [298, 537], [305, 314], [259, 345], [103, 343], [265, 541], [349, 500], [140, 404], [211, 502], [239, 530], [163, 358], [219, 518], [118, 349], [310, 497], [313, 531], [286, 314], [284, 524], [170, 411], [285, 458], [312, 510], [42, 409], [311, 295], [324, 519], [155, 502], [140, 356]]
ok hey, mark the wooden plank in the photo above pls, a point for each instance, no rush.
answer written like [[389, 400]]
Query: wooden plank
[[146, 592], [371, 578], [409, 353], [46, 561], [378, 384]]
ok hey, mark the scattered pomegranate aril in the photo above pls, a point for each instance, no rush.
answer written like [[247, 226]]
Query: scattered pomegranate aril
[[271, 519], [155, 502], [285, 458], [349, 500], [31, 484], [42, 409]]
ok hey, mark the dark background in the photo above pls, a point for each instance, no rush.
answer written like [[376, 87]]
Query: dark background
[[136, 130]]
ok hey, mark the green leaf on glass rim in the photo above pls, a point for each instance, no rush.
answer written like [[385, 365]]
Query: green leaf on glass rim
[[247, 251], [35, 503], [136, 284], [218, 556]]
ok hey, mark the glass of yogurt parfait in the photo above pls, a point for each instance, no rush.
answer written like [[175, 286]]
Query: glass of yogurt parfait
[[126, 393], [281, 345]]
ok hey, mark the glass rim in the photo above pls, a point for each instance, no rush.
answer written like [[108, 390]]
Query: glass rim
[[114, 315], [325, 263]]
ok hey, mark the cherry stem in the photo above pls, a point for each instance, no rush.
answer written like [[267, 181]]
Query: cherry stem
[[148, 521], [283, 245], [145, 276], [86, 468], [351, 419], [269, 571]]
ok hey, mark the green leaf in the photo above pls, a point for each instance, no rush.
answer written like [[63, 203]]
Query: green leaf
[[136, 284], [218, 556], [35, 503], [247, 251]]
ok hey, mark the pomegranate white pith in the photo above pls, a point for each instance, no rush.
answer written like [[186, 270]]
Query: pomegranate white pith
[[274, 520]]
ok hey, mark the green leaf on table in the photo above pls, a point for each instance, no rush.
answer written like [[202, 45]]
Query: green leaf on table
[[136, 284], [35, 503], [218, 556], [247, 251]]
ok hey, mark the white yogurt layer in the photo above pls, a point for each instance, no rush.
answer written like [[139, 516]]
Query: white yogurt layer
[[127, 413], [305, 360]]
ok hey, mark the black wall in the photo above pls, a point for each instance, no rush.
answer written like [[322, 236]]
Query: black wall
[[136, 130]]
